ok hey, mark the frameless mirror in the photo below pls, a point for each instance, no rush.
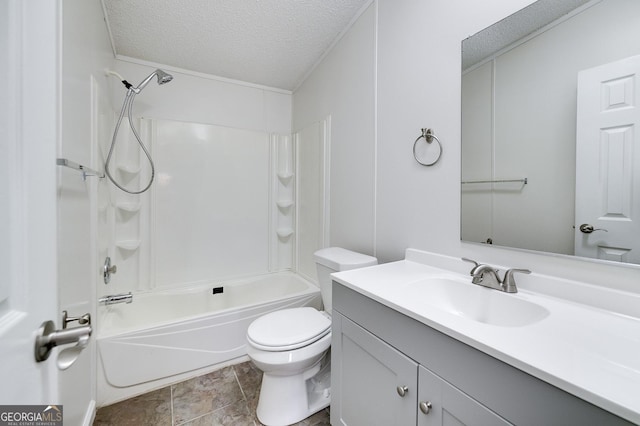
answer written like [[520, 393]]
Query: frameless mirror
[[550, 137]]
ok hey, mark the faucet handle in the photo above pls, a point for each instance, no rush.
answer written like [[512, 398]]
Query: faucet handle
[[476, 264], [466, 259], [509, 283]]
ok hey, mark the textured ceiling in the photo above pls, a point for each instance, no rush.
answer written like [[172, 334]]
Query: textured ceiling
[[268, 42], [507, 31]]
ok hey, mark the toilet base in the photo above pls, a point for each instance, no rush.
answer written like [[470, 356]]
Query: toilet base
[[285, 400]]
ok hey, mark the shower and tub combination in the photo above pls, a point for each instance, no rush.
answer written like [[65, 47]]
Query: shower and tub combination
[[200, 254], [166, 336]]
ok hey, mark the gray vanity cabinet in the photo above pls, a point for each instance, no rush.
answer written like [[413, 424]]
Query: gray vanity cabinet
[[439, 403], [379, 354], [370, 372], [375, 384]]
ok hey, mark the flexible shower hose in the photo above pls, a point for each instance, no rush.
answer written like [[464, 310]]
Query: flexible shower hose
[[126, 108]]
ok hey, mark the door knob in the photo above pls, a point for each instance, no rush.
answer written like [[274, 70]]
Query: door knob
[[402, 390], [425, 407], [585, 228], [48, 338]]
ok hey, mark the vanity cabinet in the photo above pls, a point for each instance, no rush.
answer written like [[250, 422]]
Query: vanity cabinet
[[381, 386], [370, 373], [380, 354], [440, 403]]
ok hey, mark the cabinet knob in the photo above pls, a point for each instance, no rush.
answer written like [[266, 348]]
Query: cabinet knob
[[402, 390], [425, 407]]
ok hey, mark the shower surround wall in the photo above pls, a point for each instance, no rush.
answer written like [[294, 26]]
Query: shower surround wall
[[221, 206], [216, 205]]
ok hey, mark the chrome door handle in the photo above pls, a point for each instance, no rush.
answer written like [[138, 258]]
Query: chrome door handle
[[48, 338], [585, 228]]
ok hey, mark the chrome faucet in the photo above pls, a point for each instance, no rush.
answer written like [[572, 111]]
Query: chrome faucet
[[487, 276]]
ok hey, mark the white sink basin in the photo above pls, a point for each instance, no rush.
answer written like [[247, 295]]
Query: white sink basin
[[475, 302]]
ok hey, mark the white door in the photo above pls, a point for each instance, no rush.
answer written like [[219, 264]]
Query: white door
[[28, 135], [608, 162]]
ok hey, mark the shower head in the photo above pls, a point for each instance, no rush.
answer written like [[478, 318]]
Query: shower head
[[162, 76]]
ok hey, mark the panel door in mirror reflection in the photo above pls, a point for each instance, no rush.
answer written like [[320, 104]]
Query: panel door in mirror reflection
[[607, 153]]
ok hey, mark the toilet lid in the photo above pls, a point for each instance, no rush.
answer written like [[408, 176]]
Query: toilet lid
[[288, 329]]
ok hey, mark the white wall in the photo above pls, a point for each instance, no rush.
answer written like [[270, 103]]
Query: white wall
[[343, 87], [418, 85], [311, 202], [375, 84], [86, 51], [199, 98]]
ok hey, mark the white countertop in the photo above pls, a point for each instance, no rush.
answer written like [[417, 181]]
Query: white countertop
[[587, 351]]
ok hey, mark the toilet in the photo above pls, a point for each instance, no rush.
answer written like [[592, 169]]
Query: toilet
[[291, 347]]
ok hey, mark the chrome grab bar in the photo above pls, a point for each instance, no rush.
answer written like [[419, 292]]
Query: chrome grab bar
[[523, 181], [116, 298], [86, 171]]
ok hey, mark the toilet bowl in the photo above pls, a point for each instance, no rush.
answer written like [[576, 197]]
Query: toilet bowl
[[291, 348]]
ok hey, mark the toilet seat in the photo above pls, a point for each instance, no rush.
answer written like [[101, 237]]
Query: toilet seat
[[288, 329]]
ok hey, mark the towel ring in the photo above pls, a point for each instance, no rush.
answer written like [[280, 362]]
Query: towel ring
[[428, 136]]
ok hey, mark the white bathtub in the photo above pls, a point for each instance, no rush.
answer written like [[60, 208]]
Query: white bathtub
[[166, 334]]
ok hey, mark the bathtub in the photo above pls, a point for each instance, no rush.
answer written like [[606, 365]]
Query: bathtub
[[166, 334]]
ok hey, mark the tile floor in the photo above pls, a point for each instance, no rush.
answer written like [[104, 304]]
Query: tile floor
[[225, 397]]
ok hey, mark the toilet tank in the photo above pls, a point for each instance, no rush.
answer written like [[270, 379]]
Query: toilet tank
[[336, 259]]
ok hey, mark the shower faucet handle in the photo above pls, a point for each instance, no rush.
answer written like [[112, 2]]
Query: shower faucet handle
[[108, 269]]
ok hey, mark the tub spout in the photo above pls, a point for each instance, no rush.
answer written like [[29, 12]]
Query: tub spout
[[116, 298]]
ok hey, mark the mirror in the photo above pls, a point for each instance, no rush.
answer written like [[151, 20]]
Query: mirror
[[525, 180]]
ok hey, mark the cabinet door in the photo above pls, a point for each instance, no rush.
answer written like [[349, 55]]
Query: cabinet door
[[449, 406], [366, 374]]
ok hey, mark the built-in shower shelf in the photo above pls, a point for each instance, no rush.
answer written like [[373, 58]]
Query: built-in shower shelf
[[127, 210], [285, 205], [128, 245], [285, 177], [284, 233], [129, 171], [129, 207]]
